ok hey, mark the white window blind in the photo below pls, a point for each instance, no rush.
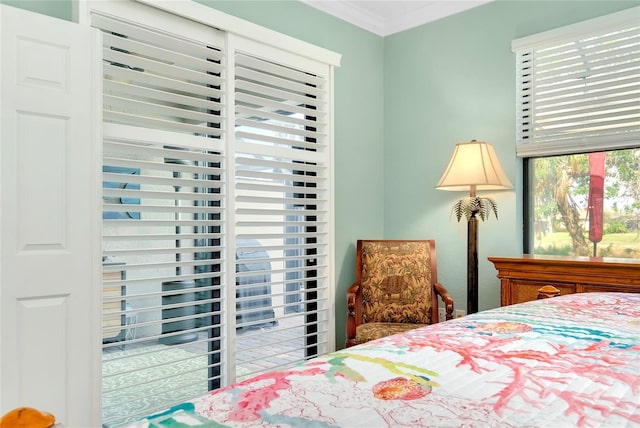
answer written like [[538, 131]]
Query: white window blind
[[578, 87], [218, 220], [163, 179], [281, 209]]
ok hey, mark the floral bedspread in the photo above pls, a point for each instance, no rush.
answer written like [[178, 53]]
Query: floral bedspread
[[569, 361]]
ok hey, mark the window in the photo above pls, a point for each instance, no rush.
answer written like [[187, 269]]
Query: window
[[281, 202], [586, 204], [579, 134], [217, 224]]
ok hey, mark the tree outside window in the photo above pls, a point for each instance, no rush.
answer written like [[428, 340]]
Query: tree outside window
[[585, 204]]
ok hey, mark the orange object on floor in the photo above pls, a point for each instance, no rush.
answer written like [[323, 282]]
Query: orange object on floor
[[27, 417]]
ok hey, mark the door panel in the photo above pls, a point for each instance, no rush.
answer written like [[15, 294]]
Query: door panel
[[49, 217]]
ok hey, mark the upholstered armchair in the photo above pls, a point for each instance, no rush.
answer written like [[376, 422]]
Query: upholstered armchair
[[396, 289]]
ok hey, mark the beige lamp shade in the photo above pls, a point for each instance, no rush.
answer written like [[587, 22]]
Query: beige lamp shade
[[474, 164]]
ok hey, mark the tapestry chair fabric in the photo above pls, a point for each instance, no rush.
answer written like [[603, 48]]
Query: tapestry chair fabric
[[396, 289]]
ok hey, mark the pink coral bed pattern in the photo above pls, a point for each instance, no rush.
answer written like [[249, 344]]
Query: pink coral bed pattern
[[570, 361]]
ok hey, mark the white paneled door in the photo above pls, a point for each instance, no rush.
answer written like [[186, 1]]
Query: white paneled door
[[49, 218]]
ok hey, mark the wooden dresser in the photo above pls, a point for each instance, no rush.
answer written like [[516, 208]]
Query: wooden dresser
[[522, 277]]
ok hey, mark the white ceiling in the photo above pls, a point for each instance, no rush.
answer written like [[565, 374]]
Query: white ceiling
[[385, 17]]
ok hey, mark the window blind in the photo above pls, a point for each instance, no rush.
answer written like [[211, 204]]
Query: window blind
[[217, 207], [163, 180], [579, 87], [281, 210]]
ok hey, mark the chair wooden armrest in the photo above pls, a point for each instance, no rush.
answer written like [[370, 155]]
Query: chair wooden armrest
[[442, 291], [351, 296], [351, 314]]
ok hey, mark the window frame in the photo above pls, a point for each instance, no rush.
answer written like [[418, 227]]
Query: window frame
[[524, 49]]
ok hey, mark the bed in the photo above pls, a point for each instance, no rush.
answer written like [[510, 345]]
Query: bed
[[568, 361]]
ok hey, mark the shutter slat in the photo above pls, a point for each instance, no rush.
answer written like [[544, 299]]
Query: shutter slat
[[258, 200], [589, 89], [158, 123], [243, 112], [184, 196], [175, 114], [123, 139], [244, 161], [261, 187], [118, 144], [147, 251], [271, 80], [258, 138], [616, 100], [135, 47], [135, 80], [266, 103], [113, 86], [279, 70], [290, 131], [281, 177]]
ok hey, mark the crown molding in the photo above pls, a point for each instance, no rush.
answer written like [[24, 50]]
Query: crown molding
[[392, 16]]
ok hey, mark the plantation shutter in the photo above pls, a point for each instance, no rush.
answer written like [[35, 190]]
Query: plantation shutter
[[163, 179], [218, 223], [282, 215], [579, 87]]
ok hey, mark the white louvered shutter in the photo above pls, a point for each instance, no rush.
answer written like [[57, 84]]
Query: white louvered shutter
[[579, 87], [163, 172], [217, 242], [282, 209]]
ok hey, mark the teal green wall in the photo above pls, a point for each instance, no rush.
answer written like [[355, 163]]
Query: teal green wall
[[451, 81], [401, 104]]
